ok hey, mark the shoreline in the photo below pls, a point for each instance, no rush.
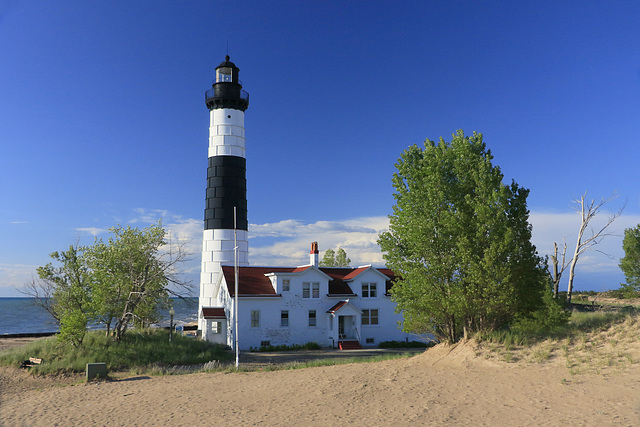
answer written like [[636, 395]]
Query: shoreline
[[29, 335]]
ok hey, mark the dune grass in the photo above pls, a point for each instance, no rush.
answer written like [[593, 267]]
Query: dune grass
[[137, 349], [590, 342]]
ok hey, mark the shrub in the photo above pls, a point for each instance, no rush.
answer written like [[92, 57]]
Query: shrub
[[551, 316], [626, 291], [284, 347], [406, 344]]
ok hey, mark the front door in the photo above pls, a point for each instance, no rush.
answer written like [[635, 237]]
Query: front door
[[341, 334]]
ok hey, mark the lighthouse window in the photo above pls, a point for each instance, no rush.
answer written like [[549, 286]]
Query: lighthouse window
[[223, 75]]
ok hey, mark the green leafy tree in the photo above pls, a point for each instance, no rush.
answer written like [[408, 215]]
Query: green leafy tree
[[122, 282], [630, 263], [333, 258], [342, 260], [460, 241], [132, 276], [68, 299], [328, 259]]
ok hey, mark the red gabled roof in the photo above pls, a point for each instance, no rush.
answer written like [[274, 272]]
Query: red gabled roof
[[338, 306], [354, 272], [213, 313], [254, 282]]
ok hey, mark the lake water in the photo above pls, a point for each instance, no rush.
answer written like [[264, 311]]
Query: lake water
[[23, 316]]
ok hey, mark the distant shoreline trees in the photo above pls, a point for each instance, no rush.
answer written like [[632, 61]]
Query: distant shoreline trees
[[333, 258], [630, 263]]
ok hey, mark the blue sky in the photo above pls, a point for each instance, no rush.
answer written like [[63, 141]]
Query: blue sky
[[103, 122]]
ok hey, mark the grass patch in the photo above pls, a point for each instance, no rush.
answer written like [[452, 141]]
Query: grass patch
[[590, 342], [328, 362], [138, 350]]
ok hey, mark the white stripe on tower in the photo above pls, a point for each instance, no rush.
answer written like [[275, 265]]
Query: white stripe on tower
[[226, 182]]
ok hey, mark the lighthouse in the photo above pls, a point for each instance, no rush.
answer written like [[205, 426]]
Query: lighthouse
[[226, 182]]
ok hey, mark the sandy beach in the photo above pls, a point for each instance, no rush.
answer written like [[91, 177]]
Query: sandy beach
[[444, 385]]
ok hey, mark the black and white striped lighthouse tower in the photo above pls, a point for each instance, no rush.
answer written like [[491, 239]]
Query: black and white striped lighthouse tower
[[226, 182]]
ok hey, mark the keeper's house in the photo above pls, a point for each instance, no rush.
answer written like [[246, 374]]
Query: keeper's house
[[334, 307]]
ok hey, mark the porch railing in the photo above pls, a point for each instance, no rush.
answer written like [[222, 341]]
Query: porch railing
[[357, 333]]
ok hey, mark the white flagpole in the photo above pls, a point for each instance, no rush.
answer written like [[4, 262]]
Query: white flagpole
[[235, 270]]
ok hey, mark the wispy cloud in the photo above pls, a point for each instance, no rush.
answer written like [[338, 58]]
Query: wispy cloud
[[14, 277], [94, 231], [287, 243]]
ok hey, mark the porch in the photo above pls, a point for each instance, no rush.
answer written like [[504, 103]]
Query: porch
[[344, 319]]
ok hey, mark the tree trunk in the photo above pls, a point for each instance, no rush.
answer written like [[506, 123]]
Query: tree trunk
[[572, 270], [555, 278]]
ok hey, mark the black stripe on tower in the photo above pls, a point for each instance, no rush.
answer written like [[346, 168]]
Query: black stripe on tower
[[226, 188]]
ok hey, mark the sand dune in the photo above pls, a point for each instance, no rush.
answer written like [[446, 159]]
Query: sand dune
[[444, 385]]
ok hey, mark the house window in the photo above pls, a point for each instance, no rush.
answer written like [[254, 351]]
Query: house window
[[370, 317], [284, 318], [370, 341], [265, 343], [369, 290], [311, 290], [286, 285], [312, 318], [215, 328], [255, 318]]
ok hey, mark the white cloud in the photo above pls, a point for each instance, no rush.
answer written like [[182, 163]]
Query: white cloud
[[14, 277], [94, 231], [287, 243], [290, 240]]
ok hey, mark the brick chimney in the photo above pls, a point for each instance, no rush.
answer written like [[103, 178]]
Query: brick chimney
[[313, 255]]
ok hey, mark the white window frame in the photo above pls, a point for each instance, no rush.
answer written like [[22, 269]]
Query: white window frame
[[369, 290], [286, 285], [368, 317], [216, 327], [284, 318], [313, 319], [255, 318], [311, 290]]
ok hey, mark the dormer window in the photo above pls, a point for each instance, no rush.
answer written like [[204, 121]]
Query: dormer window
[[224, 74], [369, 290]]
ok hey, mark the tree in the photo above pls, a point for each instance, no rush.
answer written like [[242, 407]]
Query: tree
[[64, 292], [588, 211], [122, 281], [328, 259], [333, 258], [342, 260], [132, 276], [460, 241], [558, 266], [630, 263]]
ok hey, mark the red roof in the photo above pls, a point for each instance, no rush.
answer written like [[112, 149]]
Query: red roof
[[337, 307], [213, 313], [254, 282], [354, 273]]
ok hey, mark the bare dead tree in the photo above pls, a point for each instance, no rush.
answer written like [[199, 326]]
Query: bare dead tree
[[558, 266], [42, 293], [588, 210]]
